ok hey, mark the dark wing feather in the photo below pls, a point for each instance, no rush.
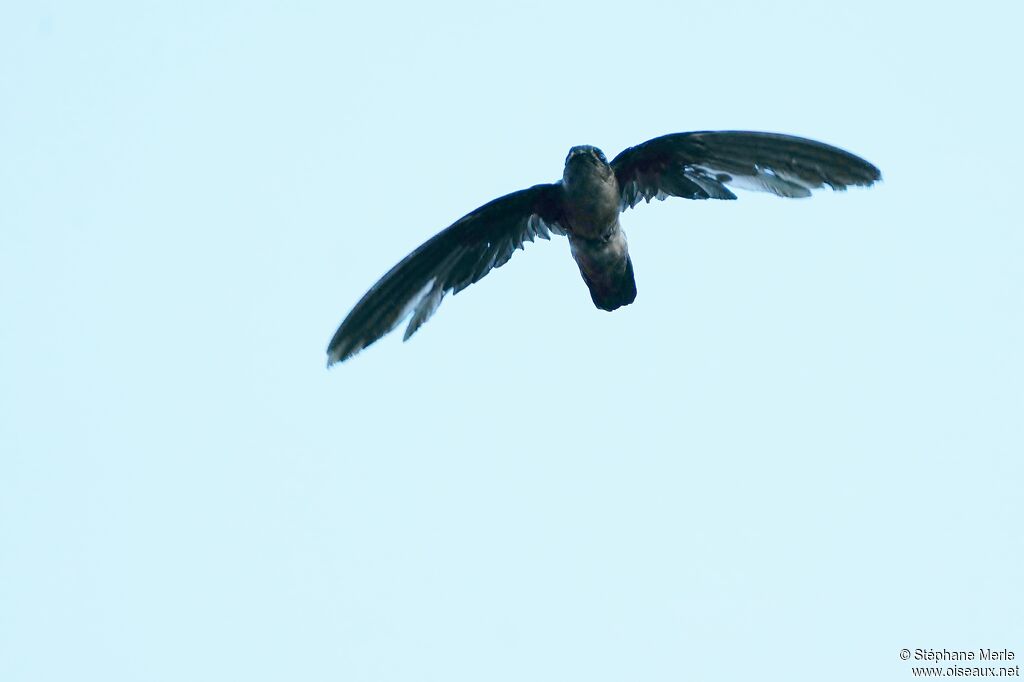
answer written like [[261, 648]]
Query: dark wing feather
[[700, 165], [450, 261]]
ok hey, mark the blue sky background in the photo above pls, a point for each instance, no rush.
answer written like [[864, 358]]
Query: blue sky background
[[798, 452]]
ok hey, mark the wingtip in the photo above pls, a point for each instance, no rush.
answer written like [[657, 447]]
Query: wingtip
[[342, 352], [335, 356]]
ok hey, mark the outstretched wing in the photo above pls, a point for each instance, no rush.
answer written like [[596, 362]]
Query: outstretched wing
[[450, 261], [700, 165]]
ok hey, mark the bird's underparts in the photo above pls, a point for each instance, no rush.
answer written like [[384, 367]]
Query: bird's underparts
[[585, 206]]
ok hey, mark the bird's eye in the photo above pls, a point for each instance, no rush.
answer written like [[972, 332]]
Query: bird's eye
[[600, 155]]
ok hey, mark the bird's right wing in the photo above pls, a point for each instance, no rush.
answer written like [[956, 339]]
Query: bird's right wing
[[450, 261], [699, 166]]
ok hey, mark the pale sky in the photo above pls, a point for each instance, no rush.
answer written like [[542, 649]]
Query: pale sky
[[796, 453]]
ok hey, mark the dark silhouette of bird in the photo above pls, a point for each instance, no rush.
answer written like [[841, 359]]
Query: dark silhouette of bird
[[585, 206]]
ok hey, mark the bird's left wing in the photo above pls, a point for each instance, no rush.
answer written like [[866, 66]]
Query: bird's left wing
[[450, 261], [699, 165]]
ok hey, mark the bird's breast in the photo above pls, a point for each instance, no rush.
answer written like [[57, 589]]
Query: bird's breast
[[591, 205]]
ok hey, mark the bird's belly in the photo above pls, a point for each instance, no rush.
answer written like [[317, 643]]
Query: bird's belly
[[592, 208], [592, 228], [607, 253]]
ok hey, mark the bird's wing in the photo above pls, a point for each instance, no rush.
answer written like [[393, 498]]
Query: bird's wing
[[699, 166], [450, 261]]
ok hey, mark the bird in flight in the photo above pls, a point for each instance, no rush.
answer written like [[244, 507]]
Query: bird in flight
[[585, 206]]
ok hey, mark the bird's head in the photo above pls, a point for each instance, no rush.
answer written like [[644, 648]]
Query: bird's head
[[585, 164], [586, 153]]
